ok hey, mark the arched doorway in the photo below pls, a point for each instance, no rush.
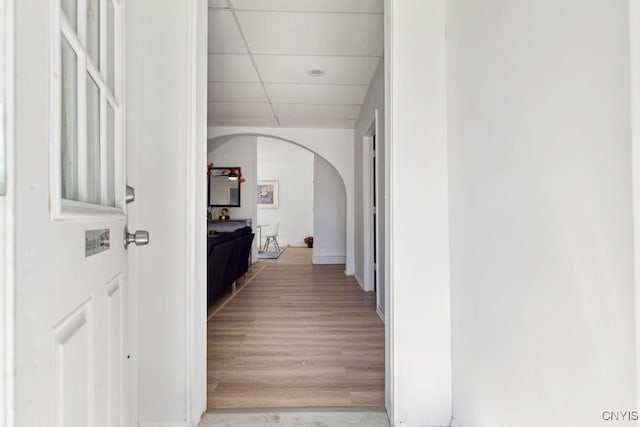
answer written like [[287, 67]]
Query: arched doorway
[[334, 182]]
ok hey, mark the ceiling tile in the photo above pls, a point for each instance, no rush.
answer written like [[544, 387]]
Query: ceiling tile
[[293, 111], [318, 123], [218, 4], [362, 6], [239, 109], [231, 68], [224, 36], [313, 33], [242, 121], [236, 92], [315, 94], [294, 69]]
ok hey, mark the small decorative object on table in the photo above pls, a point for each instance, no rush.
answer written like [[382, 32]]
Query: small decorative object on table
[[309, 241], [224, 214]]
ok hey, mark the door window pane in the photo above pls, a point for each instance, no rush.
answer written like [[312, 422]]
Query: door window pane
[[69, 122], [111, 30], [70, 9], [111, 141], [93, 31], [93, 141], [89, 143]]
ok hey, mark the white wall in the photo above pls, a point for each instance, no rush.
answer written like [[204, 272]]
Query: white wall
[[292, 167], [163, 126], [634, 12], [197, 342], [334, 145], [240, 151], [419, 240], [329, 214], [5, 83], [541, 226], [6, 216], [373, 102]]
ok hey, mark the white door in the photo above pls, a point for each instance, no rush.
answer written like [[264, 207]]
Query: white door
[[72, 294]]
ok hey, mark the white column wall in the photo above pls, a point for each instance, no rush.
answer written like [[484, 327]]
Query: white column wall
[[541, 212], [419, 218], [7, 231], [197, 342], [634, 22], [160, 131]]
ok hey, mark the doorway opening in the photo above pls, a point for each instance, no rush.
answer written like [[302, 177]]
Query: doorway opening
[[304, 71], [301, 333]]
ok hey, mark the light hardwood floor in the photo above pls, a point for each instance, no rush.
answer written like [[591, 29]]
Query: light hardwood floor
[[297, 335]]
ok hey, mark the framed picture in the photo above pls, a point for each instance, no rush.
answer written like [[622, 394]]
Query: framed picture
[[268, 194]]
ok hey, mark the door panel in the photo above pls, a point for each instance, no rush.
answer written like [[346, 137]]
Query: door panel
[[73, 378], [71, 308]]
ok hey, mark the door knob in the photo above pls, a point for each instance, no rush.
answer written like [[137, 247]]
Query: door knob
[[140, 238]]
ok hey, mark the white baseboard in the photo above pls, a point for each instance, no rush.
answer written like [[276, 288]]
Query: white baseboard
[[359, 280], [453, 423], [328, 259], [380, 314]]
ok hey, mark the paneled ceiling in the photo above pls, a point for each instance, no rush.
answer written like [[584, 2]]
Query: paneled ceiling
[[262, 52]]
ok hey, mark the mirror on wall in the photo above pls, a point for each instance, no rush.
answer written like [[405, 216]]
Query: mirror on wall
[[224, 186]]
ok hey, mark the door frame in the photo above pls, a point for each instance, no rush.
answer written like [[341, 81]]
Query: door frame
[[196, 226], [7, 213], [367, 202], [634, 32]]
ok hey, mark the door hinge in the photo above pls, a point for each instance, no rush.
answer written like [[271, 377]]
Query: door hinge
[[374, 210]]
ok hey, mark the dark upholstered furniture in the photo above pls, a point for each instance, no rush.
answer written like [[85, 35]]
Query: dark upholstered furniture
[[227, 260], [219, 248]]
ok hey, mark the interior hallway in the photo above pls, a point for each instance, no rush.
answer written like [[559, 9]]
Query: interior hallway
[[297, 335]]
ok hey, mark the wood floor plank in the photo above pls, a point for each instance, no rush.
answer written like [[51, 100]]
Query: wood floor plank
[[297, 335]]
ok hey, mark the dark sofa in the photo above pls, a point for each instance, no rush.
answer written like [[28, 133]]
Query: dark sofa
[[227, 260]]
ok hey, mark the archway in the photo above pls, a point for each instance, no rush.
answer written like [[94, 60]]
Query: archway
[[333, 146]]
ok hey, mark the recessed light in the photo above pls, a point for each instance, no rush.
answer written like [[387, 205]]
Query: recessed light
[[316, 72]]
